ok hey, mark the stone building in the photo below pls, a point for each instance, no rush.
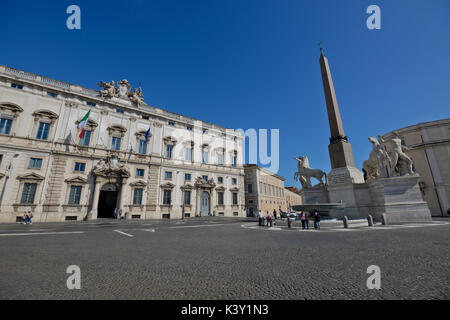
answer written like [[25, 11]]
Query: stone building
[[264, 190], [429, 144], [292, 197], [148, 162]]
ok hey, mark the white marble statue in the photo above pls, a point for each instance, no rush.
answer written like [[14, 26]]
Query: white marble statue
[[109, 89], [398, 158], [378, 163], [136, 96], [305, 173], [123, 88]]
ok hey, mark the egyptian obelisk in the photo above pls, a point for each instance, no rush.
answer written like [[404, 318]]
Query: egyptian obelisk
[[340, 150]]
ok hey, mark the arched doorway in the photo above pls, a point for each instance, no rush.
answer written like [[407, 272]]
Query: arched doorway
[[107, 201], [204, 204]]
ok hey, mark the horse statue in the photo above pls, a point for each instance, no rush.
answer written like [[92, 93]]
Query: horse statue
[[305, 173], [378, 161]]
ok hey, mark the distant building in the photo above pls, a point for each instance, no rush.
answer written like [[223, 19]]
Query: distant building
[[147, 162], [264, 190], [292, 197], [429, 144]]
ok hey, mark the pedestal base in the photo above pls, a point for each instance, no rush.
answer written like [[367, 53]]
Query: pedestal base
[[399, 198], [345, 175]]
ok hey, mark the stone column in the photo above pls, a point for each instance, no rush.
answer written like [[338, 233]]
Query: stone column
[[93, 213]]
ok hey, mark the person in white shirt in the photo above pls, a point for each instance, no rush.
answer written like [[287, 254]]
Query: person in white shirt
[[260, 218]]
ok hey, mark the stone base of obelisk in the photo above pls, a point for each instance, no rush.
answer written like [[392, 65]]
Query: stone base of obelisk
[[400, 199], [316, 194]]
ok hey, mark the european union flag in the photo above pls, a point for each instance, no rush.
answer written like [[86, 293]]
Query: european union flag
[[147, 134]]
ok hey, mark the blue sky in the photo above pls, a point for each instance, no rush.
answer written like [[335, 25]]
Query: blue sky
[[250, 63]]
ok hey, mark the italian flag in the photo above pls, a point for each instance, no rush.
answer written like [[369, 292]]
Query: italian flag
[[83, 123]]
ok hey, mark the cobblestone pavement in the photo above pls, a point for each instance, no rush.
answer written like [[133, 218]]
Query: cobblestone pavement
[[222, 259]]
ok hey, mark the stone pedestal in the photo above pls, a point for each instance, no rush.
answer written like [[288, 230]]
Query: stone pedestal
[[317, 194], [345, 175], [399, 198]]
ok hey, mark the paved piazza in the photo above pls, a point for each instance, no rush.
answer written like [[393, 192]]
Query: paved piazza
[[222, 259]]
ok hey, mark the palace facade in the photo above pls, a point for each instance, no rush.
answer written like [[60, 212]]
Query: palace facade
[[145, 161]]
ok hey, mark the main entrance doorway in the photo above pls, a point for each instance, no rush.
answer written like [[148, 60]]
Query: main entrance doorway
[[107, 201], [204, 204]]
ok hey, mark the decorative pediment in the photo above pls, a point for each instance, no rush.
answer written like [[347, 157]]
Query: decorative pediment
[[189, 143], [45, 114], [90, 123], [30, 176], [187, 187], [77, 179], [170, 140], [202, 183], [141, 133], [221, 188], [205, 146], [117, 128], [220, 150], [10, 107], [138, 183], [234, 189], [167, 185], [233, 151]]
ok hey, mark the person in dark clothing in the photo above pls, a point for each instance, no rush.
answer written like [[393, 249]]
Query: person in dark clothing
[[316, 220], [275, 214], [303, 218]]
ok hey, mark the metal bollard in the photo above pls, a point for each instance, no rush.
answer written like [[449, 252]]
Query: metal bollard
[[383, 218], [289, 222], [345, 220], [370, 220]]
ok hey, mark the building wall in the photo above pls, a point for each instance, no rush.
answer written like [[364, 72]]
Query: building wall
[[292, 198], [429, 145], [268, 191], [108, 117]]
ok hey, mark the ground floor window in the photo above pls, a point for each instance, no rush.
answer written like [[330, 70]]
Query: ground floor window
[[75, 194], [235, 198], [220, 198], [187, 197], [137, 196], [167, 197], [28, 193]]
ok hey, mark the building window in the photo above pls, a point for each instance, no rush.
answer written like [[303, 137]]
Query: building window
[[250, 188], [234, 161], [187, 197], [120, 111], [235, 198], [220, 198], [187, 177], [44, 128], [220, 159], [52, 94], [1, 158], [80, 166], [171, 123], [115, 144], [234, 181], [91, 104], [142, 146], [189, 128], [189, 154], [167, 197], [140, 172], [205, 156], [28, 193], [169, 151], [17, 86], [205, 178], [85, 138], [137, 195], [5, 125], [205, 131], [220, 179], [168, 175], [75, 194], [35, 163]]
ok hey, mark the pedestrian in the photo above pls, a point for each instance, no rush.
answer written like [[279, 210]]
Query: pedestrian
[[24, 218], [115, 213], [30, 215], [275, 214], [303, 219], [316, 220], [269, 219], [120, 214], [260, 218]]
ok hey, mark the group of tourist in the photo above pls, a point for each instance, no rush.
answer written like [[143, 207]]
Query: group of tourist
[[26, 219], [268, 219], [118, 214]]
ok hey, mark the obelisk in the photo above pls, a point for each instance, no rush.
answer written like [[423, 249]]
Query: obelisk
[[340, 150]]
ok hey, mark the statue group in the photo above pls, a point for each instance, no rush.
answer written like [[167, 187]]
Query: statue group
[[387, 159], [123, 90]]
